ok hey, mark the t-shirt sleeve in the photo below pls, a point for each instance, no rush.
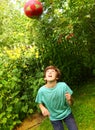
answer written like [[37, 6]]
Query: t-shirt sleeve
[[68, 89], [39, 97]]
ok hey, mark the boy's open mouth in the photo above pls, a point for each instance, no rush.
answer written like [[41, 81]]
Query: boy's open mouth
[[49, 75]]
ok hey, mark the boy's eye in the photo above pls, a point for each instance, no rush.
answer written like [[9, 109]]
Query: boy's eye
[[51, 71]]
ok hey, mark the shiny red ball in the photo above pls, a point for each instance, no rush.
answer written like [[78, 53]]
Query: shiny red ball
[[33, 8]]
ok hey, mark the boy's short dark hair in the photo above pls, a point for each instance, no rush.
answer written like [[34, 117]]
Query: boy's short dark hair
[[55, 68]]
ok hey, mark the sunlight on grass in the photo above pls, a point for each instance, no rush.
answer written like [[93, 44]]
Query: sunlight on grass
[[83, 109]]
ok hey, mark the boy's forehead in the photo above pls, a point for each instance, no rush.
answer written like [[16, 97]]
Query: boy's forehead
[[51, 69]]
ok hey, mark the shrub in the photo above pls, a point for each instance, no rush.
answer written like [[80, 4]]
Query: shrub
[[20, 78]]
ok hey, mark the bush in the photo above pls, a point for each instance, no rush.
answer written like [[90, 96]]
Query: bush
[[20, 78]]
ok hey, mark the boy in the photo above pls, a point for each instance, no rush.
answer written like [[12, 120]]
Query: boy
[[54, 99]]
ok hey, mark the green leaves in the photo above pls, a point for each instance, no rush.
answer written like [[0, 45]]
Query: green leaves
[[20, 78], [1, 104], [13, 23]]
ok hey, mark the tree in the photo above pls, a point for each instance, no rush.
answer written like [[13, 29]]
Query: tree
[[61, 37], [14, 25]]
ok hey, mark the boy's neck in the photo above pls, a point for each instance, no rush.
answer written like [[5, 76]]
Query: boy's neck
[[50, 84]]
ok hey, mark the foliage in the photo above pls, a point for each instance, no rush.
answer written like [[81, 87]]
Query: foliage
[[18, 84], [14, 27], [62, 39], [64, 32]]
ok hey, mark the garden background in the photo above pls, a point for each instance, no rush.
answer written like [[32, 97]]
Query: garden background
[[63, 36]]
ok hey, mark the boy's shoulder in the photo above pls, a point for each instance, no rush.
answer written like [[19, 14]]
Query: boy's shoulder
[[41, 88], [61, 83]]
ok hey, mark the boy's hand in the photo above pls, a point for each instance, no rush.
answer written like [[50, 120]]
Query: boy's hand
[[44, 110], [69, 98]]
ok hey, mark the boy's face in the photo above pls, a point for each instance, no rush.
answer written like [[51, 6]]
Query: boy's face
[[51, 75]]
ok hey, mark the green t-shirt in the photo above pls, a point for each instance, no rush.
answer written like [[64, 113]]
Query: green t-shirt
[[54, 100]]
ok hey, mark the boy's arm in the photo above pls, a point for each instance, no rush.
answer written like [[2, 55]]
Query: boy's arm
[[44, 110], [69, 98]]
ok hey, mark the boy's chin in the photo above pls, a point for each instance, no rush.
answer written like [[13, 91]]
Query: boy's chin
[[52, 80]]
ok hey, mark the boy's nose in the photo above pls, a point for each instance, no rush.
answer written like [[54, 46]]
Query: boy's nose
[[50, 72]]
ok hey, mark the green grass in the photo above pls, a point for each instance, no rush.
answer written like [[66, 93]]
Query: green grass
[[83, 109]]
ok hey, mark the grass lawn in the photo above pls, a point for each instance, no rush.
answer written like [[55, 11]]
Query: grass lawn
[[83, 109]]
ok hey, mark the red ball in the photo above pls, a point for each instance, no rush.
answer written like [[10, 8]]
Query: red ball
[[33, 8]]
